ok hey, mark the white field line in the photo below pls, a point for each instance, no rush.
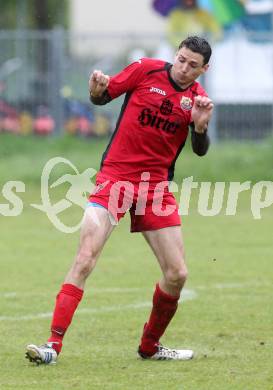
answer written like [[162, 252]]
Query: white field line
[[103, 290], [187, 296], [12, 294], [223, 286], [126, 290]]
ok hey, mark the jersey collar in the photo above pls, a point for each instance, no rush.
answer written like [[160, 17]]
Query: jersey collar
[[168, 67]]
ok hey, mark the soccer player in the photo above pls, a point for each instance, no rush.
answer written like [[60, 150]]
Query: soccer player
[[162, 102]]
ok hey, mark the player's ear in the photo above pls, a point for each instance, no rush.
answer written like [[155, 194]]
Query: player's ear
[[205, 68]]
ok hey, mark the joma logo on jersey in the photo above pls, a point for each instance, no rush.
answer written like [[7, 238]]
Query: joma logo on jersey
[[151, 118], [157, 90]]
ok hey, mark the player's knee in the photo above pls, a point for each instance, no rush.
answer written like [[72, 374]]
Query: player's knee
[[84, 263], [177, 277]]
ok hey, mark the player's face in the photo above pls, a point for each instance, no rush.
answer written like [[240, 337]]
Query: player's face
[[187, 67]]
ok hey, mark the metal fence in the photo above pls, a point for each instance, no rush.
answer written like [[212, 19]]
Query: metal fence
[[44, 81]]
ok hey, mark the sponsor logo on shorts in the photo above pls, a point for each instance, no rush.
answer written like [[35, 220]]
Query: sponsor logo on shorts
[[99, 187]]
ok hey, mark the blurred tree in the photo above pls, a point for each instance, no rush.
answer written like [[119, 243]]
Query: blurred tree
[[228, 12], [48, 13], [20, 15], [34, 14]]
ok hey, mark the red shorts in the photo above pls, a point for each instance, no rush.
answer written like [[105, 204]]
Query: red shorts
[[151, 206]]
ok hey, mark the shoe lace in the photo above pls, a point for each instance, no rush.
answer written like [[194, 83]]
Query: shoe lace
[[48, 345], [167, 352]]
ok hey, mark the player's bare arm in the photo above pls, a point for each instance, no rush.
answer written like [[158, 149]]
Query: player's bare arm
[[201, 114], [98, 84]]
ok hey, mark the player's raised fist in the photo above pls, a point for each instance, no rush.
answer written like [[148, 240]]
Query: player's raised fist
[[201, 113], [203, 101], [98, 83]]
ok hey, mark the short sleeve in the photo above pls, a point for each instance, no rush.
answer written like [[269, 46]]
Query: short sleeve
[[127, 79], [200, 90]]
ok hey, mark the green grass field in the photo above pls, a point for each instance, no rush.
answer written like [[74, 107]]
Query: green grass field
[[228, 321]]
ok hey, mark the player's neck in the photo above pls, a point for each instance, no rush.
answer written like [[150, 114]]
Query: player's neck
[[181, 85]]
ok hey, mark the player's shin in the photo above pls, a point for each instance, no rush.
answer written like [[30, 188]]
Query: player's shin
[[164, 308], [66, 304]]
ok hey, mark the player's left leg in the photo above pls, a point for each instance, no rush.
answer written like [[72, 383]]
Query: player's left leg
[[93, 236], [168, 248]]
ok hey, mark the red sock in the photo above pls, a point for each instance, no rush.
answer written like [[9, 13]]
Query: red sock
[[66, 303], [164, 308]]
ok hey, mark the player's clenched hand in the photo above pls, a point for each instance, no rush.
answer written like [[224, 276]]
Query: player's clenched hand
[[98, 83], [201, 113]]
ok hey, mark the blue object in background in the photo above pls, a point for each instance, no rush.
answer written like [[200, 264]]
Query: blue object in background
[[258, 22], [164, 7], [205, 4]]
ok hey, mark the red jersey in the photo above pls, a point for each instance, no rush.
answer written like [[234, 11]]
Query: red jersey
[[153, 124]]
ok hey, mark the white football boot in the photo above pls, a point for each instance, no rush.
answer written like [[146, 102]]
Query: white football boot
[[164, 353], [43, 354]]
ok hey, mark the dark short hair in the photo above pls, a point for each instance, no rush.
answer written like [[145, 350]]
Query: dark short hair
[[197, 45]]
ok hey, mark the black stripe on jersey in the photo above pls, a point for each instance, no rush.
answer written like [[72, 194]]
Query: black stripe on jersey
[[171, 169], [167, 67], [173, 83], [124, 105]]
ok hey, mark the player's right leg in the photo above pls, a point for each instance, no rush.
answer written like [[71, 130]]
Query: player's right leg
[[94, 233]]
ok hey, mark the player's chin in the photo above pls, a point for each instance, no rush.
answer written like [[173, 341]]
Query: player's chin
[[182, 79]]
